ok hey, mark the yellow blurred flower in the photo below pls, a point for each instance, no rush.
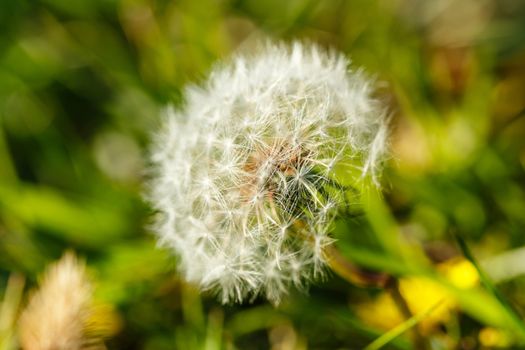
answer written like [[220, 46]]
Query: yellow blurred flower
[[494, 338], [421, 294]]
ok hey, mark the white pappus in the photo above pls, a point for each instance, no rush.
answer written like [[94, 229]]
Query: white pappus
[[243, 174]]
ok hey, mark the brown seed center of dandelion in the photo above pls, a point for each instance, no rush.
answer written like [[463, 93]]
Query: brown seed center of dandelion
[[268, 168]]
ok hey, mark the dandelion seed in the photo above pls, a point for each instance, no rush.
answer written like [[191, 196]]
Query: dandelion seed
[[244, 173]]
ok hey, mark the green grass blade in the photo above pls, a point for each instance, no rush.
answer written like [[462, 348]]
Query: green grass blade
[[514, 318]]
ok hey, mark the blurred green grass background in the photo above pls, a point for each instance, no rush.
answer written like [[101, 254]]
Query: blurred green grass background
[[82, 86]]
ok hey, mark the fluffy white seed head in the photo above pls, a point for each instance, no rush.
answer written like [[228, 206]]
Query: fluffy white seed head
[[244, 173]]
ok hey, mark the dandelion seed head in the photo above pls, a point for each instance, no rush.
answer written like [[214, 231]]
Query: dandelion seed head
[[244, 172]]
